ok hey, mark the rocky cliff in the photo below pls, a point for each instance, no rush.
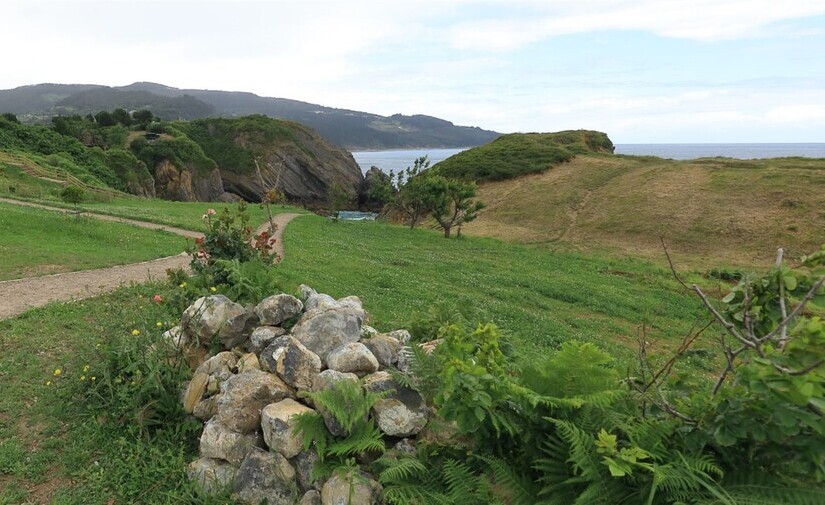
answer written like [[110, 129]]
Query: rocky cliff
[[292, 158]]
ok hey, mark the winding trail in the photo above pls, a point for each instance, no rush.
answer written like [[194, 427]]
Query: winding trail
[[19, 295]]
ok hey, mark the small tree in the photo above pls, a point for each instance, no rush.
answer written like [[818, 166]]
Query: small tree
[[122, 117], [73, 195], [451, 202], [338, 197], [412, 200]]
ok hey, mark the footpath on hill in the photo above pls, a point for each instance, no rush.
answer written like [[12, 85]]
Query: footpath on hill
[[19, 295]]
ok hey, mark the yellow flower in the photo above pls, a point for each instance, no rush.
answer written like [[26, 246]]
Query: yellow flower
[[83, 377], [158, 324], [213, 289], [86, 368], [136, 332], [182, 284], [93, 377], [57, 372], [97, 346], [48, 383]]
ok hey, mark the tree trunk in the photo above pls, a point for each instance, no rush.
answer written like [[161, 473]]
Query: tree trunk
[[447, 231]]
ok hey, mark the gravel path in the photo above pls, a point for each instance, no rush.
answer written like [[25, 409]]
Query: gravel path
[[19, 295]]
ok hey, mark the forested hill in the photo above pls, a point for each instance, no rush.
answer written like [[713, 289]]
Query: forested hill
[[350, 129]]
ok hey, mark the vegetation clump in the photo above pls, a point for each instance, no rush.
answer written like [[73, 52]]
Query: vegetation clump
[[522, 153]]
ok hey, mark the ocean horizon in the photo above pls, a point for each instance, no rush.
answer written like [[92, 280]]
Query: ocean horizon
[[399, 159]]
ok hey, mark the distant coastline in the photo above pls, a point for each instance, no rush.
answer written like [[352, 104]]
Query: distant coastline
[[743, 151]]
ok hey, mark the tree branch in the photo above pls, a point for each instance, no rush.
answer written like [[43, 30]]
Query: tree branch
[[786, 321]]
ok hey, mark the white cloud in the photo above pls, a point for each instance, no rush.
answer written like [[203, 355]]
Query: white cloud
[[703, 20]]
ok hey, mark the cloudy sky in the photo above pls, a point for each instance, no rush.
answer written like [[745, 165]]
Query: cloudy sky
[[640, 70]]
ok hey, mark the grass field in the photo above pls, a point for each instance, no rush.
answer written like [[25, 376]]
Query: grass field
[[39, 242], [539, 298], [711, 211]]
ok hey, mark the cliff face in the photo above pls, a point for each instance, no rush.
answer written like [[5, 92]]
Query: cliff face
[[187, 185], [292, 158]]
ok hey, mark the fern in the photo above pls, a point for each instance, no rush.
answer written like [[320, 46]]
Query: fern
[[519, 489]]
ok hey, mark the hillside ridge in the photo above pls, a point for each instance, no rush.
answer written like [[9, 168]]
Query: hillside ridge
[[354, 130]]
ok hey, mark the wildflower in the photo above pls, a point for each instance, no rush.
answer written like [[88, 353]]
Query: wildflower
[[86, 368], [93, 378], [83, 377], [158, 324], [211, 212], [48, 383], [213, 289], [182, 284], [118, 380], [136, 332], [57, 372], [204, 217], [157, 299], [97, 346]]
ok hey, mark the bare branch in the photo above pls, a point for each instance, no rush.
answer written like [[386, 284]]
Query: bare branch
[[730, 356], [783, 337], [786, 321], [672, 269], [687, 342], [809, 368], [724, 322]]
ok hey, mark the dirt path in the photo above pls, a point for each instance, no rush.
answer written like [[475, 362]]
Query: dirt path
[[106, 217], [19, 295]]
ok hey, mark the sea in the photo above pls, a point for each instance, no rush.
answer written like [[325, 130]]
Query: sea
[[400, 159]]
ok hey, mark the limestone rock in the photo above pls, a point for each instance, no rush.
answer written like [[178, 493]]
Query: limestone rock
[[311, 497], [350, 489], [385, 349], [306, 291], [278, 426], [402, 336], [219, 368], [325, 380], [368, 331], [352, 357], [219, 442], [304, 463], [247, 362], [276, 309], [405, 359], [262, 336], [401, 414], [319, 301], [205, 409], [322, 330], [212, 475], [405, 445], [265, 477], [194, 391], [175, 338], [244, 395], [215, 316], [292, 361], [351, 302]]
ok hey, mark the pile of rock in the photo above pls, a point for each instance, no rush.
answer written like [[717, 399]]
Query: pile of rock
[[248, 394]]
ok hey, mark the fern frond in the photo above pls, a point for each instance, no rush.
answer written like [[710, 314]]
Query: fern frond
[[460, 479], [519, 488], [367, 439], [407, 494], [313, 430], [399, 469]]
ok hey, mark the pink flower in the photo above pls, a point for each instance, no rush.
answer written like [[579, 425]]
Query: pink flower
[[157, 299], [211, 212]]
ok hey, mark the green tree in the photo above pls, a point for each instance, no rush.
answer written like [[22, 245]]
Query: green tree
[[412, 200], [105, 118], [338, 197], [121, 116], [451, 202], [73, 195], [10, 117]]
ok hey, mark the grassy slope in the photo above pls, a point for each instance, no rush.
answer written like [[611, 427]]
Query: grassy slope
[[541, 298], [37, 242], [709, 211]]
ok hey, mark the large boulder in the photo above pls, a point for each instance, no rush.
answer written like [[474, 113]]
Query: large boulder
[[322, 330], [265, 477], [276, 309], [352, 357], [219, 368], [326, 380], [278, 425], [215, 316], [402, 413], [311, 497], [351, 489], [244, 395], [262, 336], [292, 361], [304, 464], [213, 476], [219, 442], [385, 349]]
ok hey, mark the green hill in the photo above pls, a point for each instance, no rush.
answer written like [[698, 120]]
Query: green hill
[[709, 210], [522, 153]]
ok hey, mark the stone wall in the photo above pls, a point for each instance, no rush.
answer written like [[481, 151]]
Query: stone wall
[[249, 393]]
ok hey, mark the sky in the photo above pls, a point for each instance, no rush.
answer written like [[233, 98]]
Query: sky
[[643, 71]]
